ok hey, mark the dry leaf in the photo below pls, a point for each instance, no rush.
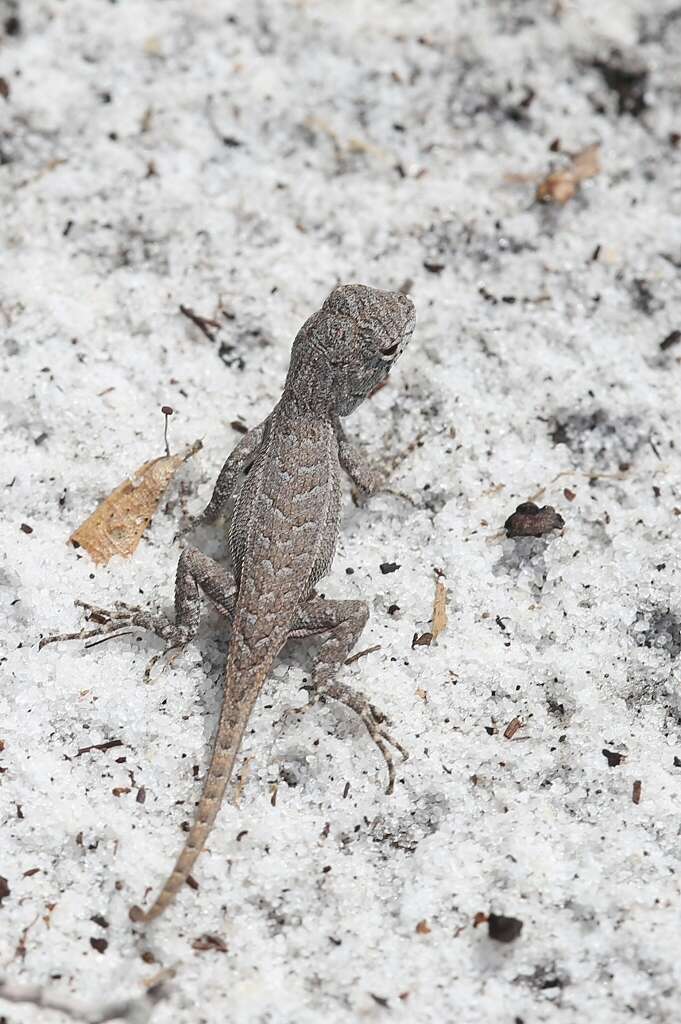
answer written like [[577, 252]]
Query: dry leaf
[[117, 525], [423, 928], [560, 186], [439, 609]]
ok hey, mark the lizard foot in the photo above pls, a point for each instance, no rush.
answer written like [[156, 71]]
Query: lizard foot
[[375, 721], [106, 622]]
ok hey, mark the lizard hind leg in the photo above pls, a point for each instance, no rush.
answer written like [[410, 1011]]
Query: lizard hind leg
[[344, 621]]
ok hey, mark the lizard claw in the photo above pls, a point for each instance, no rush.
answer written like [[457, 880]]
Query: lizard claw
[[106, 622], [170, 653], [375, 722]]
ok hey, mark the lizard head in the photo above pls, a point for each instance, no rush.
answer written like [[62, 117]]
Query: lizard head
[[364, 330]]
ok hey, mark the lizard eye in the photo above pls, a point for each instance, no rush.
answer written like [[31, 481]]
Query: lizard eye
[[388, 353]]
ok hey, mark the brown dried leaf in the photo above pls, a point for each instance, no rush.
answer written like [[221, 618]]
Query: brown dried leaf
[[439, 609], [560, 186], [117, 525], [423, 928]]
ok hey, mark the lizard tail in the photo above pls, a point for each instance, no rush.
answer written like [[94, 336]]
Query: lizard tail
[[241, 692]]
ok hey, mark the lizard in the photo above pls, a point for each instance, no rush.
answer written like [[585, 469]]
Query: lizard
[[285, 477]]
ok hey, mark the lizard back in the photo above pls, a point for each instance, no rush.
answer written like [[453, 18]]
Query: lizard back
[[280, 544]]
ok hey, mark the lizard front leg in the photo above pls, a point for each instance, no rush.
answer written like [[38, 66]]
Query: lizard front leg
[[368, 478], [195, 572], [237, 462], [344, 621]]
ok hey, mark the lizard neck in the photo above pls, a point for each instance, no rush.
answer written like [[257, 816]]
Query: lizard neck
[[308, 391]]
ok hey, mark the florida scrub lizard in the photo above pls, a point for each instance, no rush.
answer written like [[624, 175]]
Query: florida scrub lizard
[[282, 538]]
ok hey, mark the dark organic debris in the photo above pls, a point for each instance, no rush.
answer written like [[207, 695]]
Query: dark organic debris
[[529, 520], [627, 79], [108, 745], [543, 978], [208, 327], [672, 339], [598, 435], [4, 889], [643, 297], [503, 929], [387, 567], [208, 942], [663, 631], [612, 757]]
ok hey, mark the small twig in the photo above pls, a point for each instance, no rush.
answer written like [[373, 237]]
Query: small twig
[[362, 654], [108, 745], [594, 475], [202, 322]]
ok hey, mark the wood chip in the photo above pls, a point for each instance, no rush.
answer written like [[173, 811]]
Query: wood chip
[[207, 942], [512, 728], [117, 525], [529, 520], [636, 792], [439, 609]]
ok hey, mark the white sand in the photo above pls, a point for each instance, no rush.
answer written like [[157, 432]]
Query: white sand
[[366, 142]]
